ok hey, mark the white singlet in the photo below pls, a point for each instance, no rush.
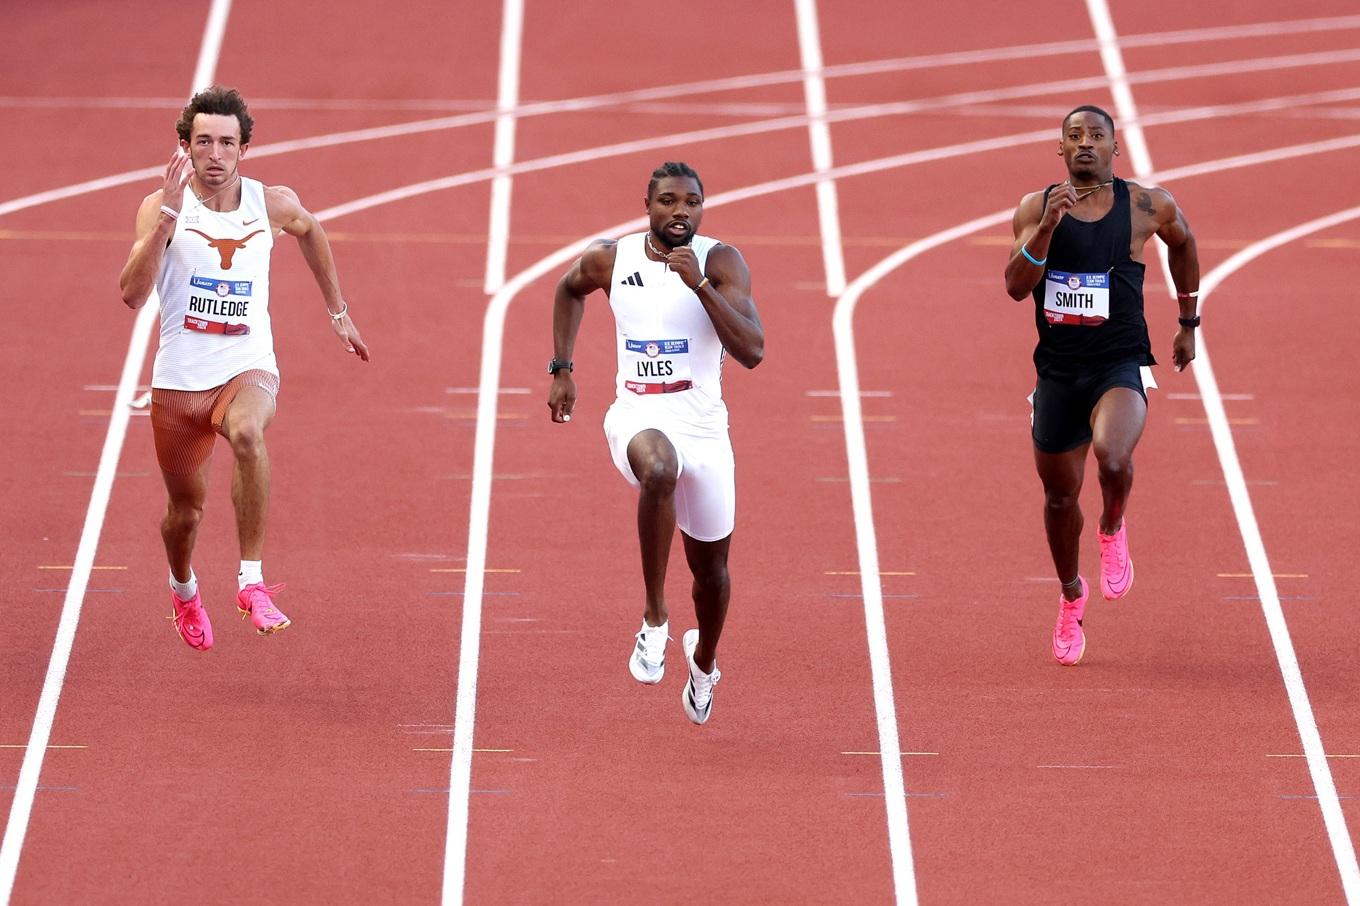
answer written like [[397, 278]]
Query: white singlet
[[669, 356], [670, 379], [214, 295]]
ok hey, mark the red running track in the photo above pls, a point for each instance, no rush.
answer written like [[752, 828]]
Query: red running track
[[314, 765]]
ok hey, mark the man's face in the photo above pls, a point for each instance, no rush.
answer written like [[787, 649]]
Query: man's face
[[675, 210], [1088, 145], [215, 146]]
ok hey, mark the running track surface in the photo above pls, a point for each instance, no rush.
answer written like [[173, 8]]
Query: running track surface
[[314, 766]]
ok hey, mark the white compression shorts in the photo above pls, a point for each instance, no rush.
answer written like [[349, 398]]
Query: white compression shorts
[[705, 492]]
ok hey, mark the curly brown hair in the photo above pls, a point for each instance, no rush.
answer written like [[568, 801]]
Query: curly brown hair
[[215, 101]]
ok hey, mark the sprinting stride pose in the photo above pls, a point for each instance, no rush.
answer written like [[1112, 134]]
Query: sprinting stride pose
[[203, 242], [1079, 253], [681, 303]]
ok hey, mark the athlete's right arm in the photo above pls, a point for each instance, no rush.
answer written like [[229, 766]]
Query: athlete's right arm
[[591, 271], [154, 230], [1033, 226]]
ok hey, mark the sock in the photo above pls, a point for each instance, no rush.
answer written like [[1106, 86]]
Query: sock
[[185, 591], [252, 572]]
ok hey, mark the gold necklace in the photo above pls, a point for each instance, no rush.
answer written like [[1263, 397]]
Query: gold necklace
[[1092, 190]]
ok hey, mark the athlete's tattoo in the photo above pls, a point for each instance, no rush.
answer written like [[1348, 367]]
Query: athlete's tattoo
[[1145, 204]]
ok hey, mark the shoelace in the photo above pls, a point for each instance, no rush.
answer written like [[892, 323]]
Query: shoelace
[[1119, 550], [266, 608], [653, 643], [1067, 625]]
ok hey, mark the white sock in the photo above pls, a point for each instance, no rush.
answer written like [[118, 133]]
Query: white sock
[[252, 572], [185, 591]]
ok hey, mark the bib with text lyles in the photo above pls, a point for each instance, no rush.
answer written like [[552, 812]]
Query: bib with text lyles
[[1076, 298], [657, 366], [217, 305]]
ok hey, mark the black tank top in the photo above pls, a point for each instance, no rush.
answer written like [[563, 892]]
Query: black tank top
[[1098, 247]]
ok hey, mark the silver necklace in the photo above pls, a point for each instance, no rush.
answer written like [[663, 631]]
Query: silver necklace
[[655, 251], [202, 201]]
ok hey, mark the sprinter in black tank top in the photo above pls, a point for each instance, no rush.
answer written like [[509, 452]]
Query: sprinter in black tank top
[[1078, 253]]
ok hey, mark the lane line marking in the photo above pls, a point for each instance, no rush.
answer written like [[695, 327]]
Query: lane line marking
[[21, 806], [819, 135], [1253, 575], [503, 152], [1333, 818], [855, 572]]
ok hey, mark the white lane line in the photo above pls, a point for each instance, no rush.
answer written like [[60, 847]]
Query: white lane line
[[819, 134], [1328, 801], [596, 102], [1333, 818], [503, 155], [21, 807], [861, 495]]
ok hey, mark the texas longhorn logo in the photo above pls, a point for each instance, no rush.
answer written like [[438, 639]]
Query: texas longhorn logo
[[227, 248]]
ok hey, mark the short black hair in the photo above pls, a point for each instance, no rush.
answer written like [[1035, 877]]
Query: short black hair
[[1090, 108], [215, 101], [673, 168]]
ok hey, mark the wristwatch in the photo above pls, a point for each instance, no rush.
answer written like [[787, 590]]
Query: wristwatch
[[557, 365], [1191, 323]]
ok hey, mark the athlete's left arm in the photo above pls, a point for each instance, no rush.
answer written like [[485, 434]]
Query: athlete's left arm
[[727, 299], [1183, 258], [287, 213]]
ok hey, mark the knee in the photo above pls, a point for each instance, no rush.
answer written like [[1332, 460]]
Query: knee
[[1114, 463], [712, 579], [247, 443], [1056, 500], [657, 477], [182, 517]]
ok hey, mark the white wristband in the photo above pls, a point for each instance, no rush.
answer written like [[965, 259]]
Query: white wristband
[[169, 212], [339, 315]]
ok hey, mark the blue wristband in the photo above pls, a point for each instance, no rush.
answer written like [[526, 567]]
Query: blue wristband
[[1032, 260]]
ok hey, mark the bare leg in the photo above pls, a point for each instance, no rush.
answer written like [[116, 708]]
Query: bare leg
[[183, 513], [244, 425], [712, 591], [657, 467], [1117, 424], [1061, 474]]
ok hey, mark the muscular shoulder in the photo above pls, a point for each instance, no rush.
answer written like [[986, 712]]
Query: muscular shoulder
[[281, 200], [725, 259], [1030, 209], [1152, 201], [597, 261]]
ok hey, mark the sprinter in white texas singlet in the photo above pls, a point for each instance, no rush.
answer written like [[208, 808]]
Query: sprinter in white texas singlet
[[203, 243], [682, 303]]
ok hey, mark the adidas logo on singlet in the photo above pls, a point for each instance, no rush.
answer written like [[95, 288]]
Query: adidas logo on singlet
[[635, 280]]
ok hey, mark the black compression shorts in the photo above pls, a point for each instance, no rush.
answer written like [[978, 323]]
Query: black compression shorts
[[1062, 408]]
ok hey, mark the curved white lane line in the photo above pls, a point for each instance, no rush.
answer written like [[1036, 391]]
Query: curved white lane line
[[1333, 818], [819, 134], [1314, 752], [869, 111], [860, 488], [479, 515], [503, 153], [21, 806]]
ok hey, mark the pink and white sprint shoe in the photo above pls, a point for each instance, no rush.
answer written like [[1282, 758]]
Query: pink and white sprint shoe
[[1069, 642], [191, 622], [257, 602], [1116, 569]]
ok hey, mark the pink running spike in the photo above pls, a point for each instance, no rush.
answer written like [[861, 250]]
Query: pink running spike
[[1069, 642], [1116, 569], [191, 622], [258, 601]]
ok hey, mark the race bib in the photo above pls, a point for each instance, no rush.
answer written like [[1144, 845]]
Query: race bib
[[1076, 298], [656, 366], [218, 306]]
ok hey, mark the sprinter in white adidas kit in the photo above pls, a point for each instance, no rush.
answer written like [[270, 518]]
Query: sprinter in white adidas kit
[[681, 303]]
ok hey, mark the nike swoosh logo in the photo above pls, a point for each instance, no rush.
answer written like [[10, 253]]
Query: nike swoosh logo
[[248, 222]]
